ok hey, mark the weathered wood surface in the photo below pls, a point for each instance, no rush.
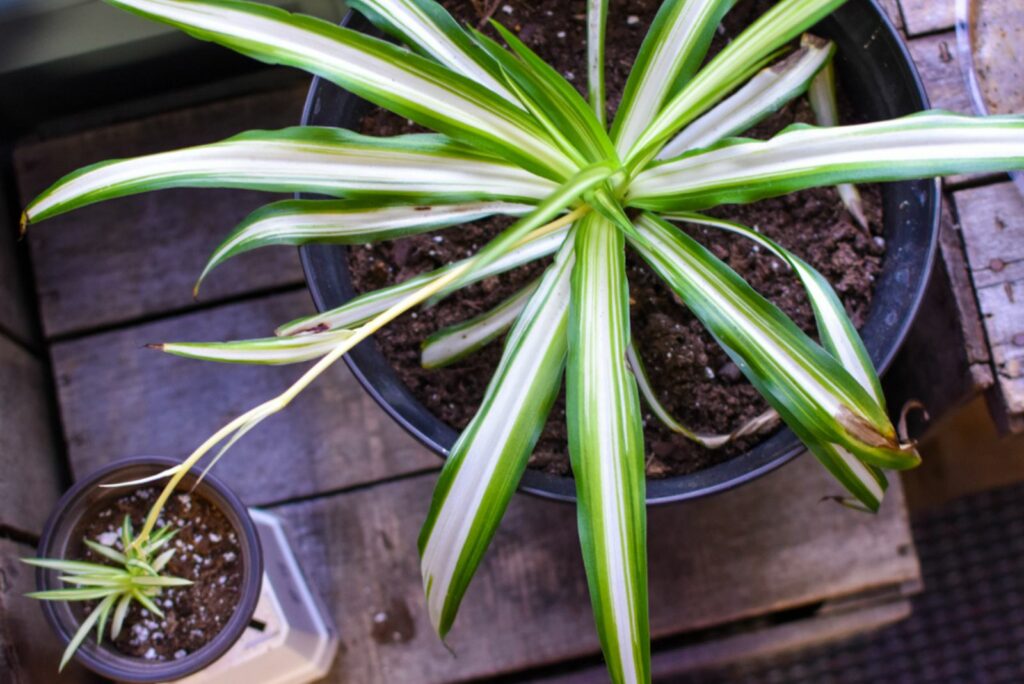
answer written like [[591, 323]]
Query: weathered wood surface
[[139, 257], [939, 65], [928, 16], [947, 333], [892, 8], [733, 649], [29, 653], [744, 554], [992, 218], [29, 457], [765, 547], [119, 399]]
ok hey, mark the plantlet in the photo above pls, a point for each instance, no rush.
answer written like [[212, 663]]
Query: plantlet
[[135, 577], [515, 138]]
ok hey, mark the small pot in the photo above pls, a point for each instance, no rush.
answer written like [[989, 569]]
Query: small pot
[[877, 73], [86, 497]]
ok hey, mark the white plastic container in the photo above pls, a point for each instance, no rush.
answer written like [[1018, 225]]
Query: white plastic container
[[291, 639]]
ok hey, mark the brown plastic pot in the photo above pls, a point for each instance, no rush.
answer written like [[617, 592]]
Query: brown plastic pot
[[88, 496]]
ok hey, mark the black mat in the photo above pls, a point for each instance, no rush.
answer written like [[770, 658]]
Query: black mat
[[967, 626]]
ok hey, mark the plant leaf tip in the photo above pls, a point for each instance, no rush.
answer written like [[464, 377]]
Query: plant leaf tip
[[852, 504], [159, 346], [23, 225]]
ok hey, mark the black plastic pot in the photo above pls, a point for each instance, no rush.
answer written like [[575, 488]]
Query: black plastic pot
[[877, 73], [86, 497]]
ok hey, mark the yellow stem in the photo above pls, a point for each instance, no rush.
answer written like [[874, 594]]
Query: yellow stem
[[279, 402]]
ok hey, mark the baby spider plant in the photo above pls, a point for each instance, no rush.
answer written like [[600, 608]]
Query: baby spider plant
[[513, 137], [134, 576]]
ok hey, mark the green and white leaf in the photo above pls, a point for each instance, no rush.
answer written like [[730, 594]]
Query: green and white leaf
[[420, 168], [364, 307], [916, 146], [835, 329], [484, 467], [264, 351], [456, 342], [428, 28], [82, 594], [71, 567], [552, 100], [346, 222], [83, 630], [597, 21], [762, 96], [676, 44], [737, 62], [839, 336], [822, 97], [120, 612], [557, 202], [405, 83], [105, 551], [760, 423], [809, 388], [161, 581], [606, 448]]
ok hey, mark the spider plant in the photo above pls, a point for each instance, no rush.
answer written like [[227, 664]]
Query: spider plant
[[135, 576], [513, 137]]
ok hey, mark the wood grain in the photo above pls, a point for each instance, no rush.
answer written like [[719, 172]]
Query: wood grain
[[927, 16], [118, 399], [764, 547], [737, 649], [992, 219], [138, 257], [29, 455], [937, 61], [29, 650]]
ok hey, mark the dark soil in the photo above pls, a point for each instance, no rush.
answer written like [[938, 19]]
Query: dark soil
[[207, 553], [692, 376]]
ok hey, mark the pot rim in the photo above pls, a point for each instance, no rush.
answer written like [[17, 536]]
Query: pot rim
[[104, 660], [720, 477]]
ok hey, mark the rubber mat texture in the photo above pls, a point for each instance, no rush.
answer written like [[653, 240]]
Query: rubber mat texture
[[967, 626]]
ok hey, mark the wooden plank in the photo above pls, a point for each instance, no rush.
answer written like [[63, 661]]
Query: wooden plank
[[928, 16], [118, 399], [992, 219], [734, 650], [29, 649], [939, 65], [892, 8], [764, 547], [1001, 308], [947, 334], [29, 453], [139, 257]]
